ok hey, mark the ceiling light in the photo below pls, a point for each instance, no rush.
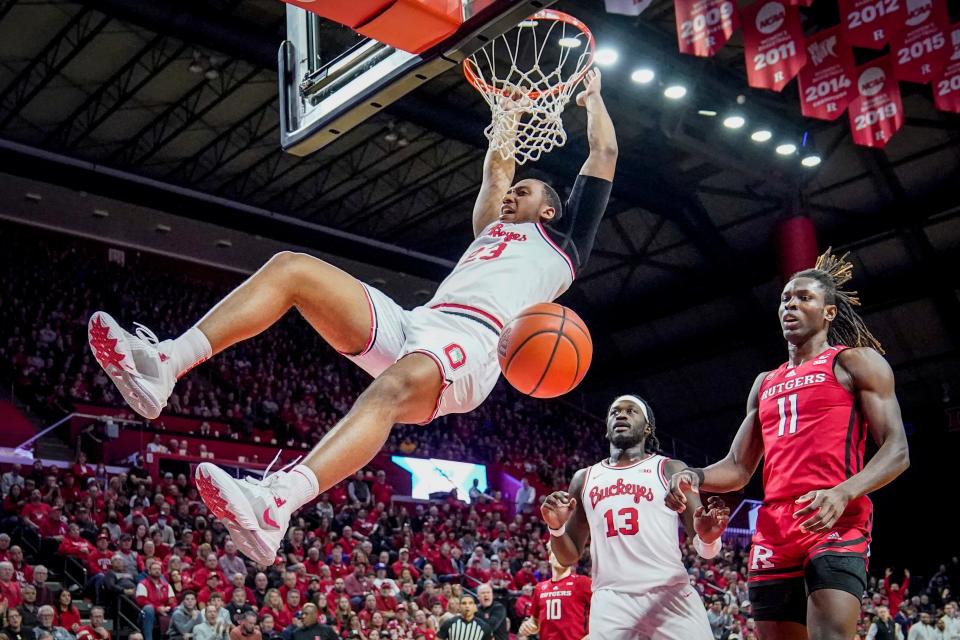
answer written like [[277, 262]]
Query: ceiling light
[[675, 91], [528, 23], [786, 149], [811, 160], [605, 57], [710, 113], [162, 228], [101, 213], [734, 122], [643, 76], [33, 197], [761, 135], [211, 74], [570, 43]]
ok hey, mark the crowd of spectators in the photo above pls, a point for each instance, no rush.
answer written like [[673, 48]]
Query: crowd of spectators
[[286, 381], [356, 560]]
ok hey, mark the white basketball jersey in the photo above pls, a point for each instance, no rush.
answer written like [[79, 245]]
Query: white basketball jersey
[[507, 268], [634, 537]]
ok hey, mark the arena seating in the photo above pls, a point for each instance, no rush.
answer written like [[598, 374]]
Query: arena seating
[[283, 389]]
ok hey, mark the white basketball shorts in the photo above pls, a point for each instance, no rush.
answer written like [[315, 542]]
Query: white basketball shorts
[[670, 613], [465, 350]]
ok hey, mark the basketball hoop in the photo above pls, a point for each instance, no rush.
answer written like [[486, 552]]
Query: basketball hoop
[[527, 76]]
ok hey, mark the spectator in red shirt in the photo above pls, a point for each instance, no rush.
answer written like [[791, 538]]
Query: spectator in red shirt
[[156, 600], [73, 545], [525, 576], [338, 591], [521, 607], [53, 526], [369, 608], [213, 585], [21, 570], [404, 563], [67, 614], [9, 587], [273, 605], [896, 592], [294, 600], [382, 492], [35, 512], [386, 603], [313, 563], [95, 629], [338, 568], [211, 565]]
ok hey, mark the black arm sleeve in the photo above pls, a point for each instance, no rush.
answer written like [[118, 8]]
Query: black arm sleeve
[[576, 229]]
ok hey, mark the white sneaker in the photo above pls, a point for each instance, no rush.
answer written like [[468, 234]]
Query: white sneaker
[[254, 510], [143, 374]]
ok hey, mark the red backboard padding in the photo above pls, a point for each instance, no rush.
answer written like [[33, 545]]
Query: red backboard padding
[[350, 14], [415, 25], [409, 25]]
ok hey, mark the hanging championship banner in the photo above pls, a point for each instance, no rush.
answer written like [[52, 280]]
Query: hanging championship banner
[[704, 26], [870, 23], [946, 87], [772, 44], [876, 112], [826, 81], [920, 49]]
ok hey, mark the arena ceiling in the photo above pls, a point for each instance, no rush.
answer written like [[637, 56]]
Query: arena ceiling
[[682, 287]]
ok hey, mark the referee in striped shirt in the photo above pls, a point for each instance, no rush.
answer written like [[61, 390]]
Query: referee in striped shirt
[[465, 626]]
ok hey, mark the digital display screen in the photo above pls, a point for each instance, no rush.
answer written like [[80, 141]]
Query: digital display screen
[[429, 475]]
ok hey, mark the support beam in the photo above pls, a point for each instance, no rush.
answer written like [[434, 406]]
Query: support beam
[[69, 41], [114, 92], [181, 115], [248, 132]]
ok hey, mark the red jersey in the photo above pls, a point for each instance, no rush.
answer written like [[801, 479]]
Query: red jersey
[[562, 608], [814, 437]]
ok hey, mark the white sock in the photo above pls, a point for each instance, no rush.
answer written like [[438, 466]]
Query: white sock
[[189, 350], [303, 485]]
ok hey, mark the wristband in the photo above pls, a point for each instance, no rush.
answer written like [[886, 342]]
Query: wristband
[[697, 472], [707, 551], [556, 533]]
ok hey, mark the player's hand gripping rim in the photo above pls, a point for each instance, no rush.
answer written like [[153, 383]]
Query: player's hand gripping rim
[[827, 505], [680, 483], [557, 509]]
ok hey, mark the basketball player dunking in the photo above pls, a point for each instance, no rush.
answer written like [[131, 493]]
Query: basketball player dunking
[[640, 586], [810, 418], [436, 359]]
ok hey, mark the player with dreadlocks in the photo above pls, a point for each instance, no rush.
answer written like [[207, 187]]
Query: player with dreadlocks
[[640, 586], [810, 418]]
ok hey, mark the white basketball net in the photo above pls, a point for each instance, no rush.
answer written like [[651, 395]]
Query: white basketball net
[[527, 76]]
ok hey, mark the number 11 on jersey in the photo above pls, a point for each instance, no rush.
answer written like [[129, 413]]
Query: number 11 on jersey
[[787, 410]]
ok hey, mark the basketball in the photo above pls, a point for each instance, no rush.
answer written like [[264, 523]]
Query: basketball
[[545, 350]]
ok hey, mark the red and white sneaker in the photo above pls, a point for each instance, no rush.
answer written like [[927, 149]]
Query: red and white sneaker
[[256, 511], [142, 372]]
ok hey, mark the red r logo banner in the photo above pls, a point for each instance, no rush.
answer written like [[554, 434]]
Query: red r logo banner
[[921, 48], [876, 112], [946, 87], [871, 23], [826, 82], [772, 44], [704, 26]]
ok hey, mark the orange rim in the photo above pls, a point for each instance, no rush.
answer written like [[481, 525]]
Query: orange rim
[[473, 75]]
